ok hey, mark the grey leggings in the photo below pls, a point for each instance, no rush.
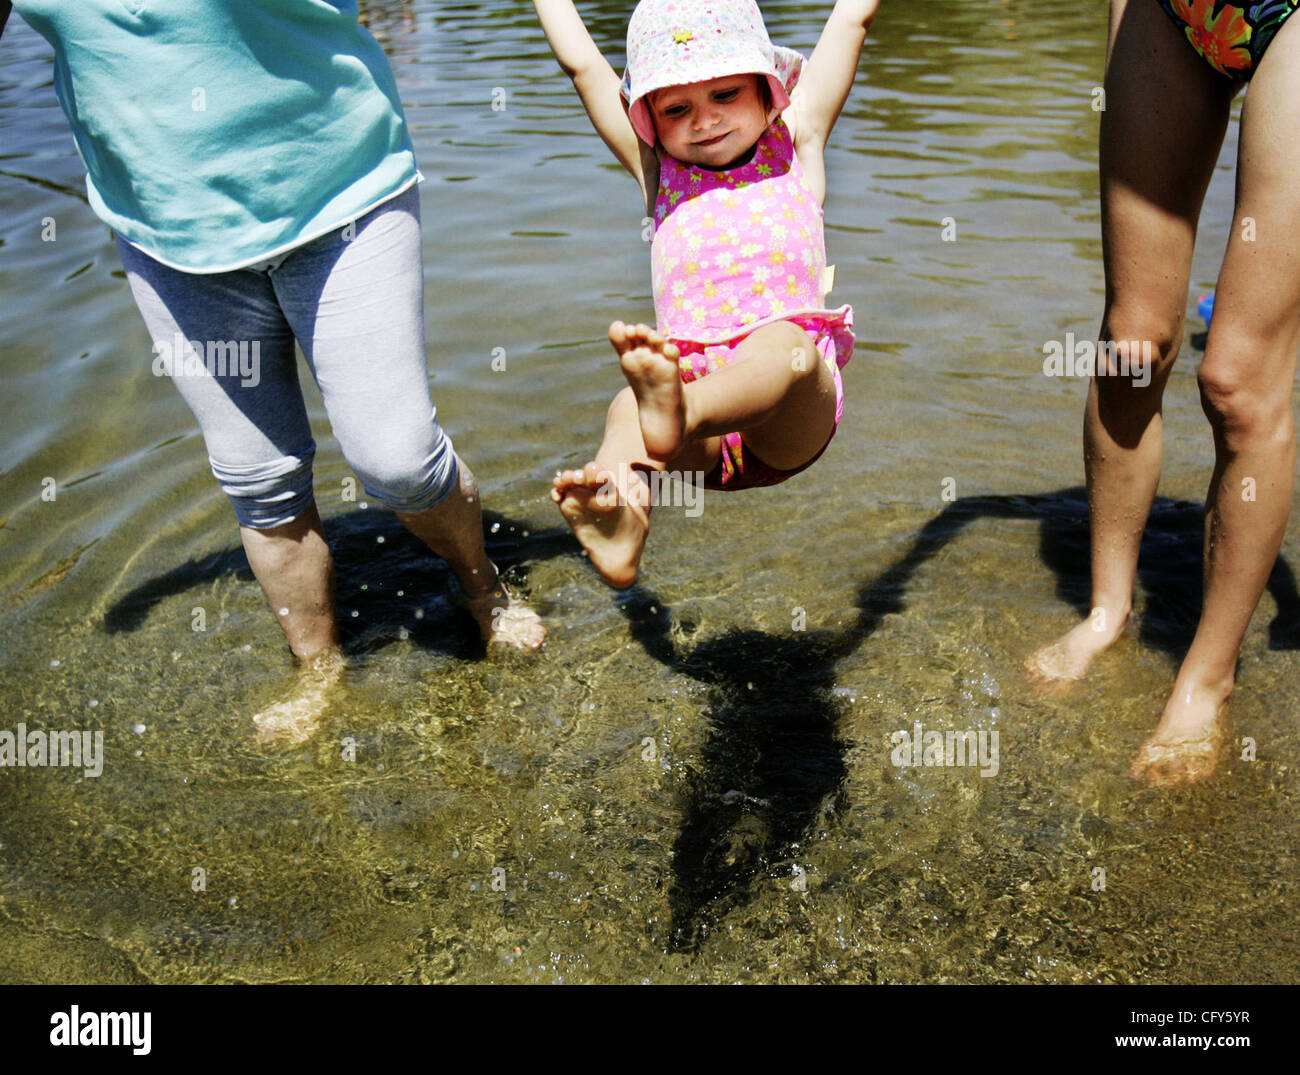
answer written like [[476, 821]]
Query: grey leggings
[[354, 301]]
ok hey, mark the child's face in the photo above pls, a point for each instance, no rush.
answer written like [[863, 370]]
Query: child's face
[[710, 123]]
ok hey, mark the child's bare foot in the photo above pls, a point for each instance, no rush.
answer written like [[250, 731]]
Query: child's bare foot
[[503, 619], [650, 365], [1070, 656], [296, 719], [612, 523], [1185, 746]]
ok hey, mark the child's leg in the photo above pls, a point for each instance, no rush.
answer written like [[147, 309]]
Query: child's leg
[[777, 392], [607, 502]]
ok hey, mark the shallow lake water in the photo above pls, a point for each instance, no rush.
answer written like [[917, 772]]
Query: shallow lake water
[[693, 782]]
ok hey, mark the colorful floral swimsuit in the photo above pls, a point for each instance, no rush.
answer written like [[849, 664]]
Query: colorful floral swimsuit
[[735, 250], [1231, 37]]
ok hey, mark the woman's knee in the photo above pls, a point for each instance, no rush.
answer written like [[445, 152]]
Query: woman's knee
[[407, 477], [1244, 405], [1141, 334], [1135, 354]]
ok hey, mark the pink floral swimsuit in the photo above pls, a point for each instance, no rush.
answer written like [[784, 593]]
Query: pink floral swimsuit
[[735, 250]]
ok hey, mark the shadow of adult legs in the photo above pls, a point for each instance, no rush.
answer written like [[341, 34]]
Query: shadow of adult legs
[[772, 764]]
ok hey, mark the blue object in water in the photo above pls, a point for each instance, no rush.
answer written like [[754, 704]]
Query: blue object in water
[[1205, 307]]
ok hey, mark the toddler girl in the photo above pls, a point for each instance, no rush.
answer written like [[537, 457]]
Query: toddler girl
[[724, 133]]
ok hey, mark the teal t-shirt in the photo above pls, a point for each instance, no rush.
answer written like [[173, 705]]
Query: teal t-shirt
[[218, 133]]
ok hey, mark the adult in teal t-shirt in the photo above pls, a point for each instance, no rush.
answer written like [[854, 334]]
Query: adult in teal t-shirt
[[253, 161], [218, 133]]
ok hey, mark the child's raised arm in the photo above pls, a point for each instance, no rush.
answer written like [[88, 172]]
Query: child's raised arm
[[595, 80], [828, 75]]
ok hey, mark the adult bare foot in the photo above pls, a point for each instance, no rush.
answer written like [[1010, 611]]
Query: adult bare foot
[[608, 514], [1185, 746], [1069, 657], [649, 363], [504, 619], [297, 718]]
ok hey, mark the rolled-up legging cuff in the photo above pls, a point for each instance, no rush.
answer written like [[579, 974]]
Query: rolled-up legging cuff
[[266, 495]]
